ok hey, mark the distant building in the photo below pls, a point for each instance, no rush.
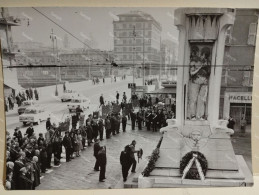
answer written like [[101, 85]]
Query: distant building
[[137, 40], [237, 80], [7, 51], [78, 63]]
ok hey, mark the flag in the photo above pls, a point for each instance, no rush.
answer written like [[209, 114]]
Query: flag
[[105, 110], [116, 108], [128, 108]]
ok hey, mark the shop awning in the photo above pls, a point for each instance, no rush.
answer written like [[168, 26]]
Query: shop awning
[[168, 90], [14, 86]]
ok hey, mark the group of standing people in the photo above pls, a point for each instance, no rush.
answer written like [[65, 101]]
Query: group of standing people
[[13, 98]]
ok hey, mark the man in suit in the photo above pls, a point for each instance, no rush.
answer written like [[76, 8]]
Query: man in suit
[[102, 161], [97, 148], [67, 143], [30, 130], [101, 100], [133, 119]]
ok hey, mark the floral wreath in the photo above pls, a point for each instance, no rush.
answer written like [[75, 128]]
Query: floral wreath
[[188, 171]]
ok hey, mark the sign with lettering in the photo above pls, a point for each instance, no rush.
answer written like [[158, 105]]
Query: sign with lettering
[[240, 98]]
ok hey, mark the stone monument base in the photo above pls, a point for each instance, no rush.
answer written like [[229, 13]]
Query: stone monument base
[[168, 178]]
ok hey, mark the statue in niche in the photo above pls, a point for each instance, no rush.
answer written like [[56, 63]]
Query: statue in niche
[[199, 72]]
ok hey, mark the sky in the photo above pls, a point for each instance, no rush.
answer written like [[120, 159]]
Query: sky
[[84, 23]]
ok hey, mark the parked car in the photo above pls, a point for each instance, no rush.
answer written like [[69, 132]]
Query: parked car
[[81, 101], [34, 114], [68, 95], [25, 105]]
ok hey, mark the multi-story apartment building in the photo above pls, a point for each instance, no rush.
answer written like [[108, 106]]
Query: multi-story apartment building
[[237, 76], [137, 40]]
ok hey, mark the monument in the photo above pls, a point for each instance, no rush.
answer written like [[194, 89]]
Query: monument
[[196, 149]]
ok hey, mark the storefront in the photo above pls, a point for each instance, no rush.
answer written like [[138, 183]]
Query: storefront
[[238, 105]]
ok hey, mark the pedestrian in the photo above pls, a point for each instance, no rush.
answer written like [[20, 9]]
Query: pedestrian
[[89, 131], [125, 160], [30, 130], [102, 161], [36, 172], [74, 120], [100, 128], [148, 119], [231, 123], [113, 124], [133, 119], [108, 126], [84, 135], [243, 125], [117, 97], [49, 146], [24, 182], [67, 143], [18, 164], [36, 94], [124, 122], [31, 93], [154, 121], [48, 123], [95, 129], [118, 123], [139, 120], [101, 100], [64, 87], [76, 145], [124, 97], [103, 80], [97, 148], [56, 150], [43, 158], [132, 156]]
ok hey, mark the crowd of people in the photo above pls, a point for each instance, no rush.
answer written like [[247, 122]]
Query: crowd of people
[[28, 156], [13, 98]]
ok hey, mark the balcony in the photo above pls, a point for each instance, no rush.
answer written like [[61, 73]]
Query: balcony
[[10, 21]]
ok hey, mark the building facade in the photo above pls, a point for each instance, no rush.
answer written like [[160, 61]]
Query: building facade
[[7, 22], [137, 40], [237, 76]]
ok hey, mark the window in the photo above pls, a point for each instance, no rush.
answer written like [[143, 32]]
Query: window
[[247, 78], [252, 34]]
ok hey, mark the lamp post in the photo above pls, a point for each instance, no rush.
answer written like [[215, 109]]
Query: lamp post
[[53, 38]]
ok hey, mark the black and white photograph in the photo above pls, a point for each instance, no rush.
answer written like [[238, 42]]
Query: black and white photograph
[[127, 97]]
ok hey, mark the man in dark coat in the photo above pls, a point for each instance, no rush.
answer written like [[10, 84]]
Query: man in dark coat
[[231, 123], [18, 164], [108, 126], [36, 171], [48, 123], [30, 130], [101, 100], [126, 162], [113, 124], [102, 161], [117, 97], [89, 131], [97, 148], [24, 182], [36, 94], [67, 143], [95, 130], [124, 122], [133, 119], [148, 119], [139, 119], [100, 128]]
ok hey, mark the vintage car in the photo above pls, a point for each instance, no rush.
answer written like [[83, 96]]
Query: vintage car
[[81, 101], [68, 95], [25, 105], [34, 114]]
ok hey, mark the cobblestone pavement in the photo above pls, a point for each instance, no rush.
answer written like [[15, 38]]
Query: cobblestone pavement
[[79, 173]]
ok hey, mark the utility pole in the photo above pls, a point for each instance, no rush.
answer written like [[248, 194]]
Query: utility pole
[[53, 39], [143, 67], [134, 40], [160, 61]]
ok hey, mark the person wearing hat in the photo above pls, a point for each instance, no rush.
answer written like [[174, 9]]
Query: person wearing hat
[[67, 143], [30, 130], [18, 134], [97, 148], [24, 182], [18, 164], [48, 123], [102, 161]]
